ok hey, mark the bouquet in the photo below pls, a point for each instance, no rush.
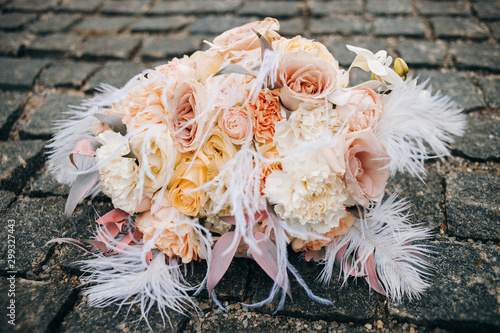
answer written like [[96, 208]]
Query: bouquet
[[256, 147]]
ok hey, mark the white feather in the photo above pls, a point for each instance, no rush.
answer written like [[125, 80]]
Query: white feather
[[413, 117], [384, 230]]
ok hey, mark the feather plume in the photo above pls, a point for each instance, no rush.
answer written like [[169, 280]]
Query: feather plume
[[384, 232], [413, 117]]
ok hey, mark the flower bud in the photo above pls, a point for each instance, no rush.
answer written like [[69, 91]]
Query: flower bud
[[400, 67]]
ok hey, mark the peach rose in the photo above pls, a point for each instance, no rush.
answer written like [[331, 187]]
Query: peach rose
[[366, 173], [178, 68], [266, 112], [185, 179], [305, 78], [143, 106], [186, 117], [218, 150], [315, 244], [270, 152], [177, 239], [243, 38], [362, 110], [237, 123]]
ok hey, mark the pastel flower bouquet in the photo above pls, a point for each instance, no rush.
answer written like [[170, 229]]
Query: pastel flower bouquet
[[255, 148]]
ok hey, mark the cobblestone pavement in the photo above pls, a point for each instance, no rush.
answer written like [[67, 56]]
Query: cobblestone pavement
[[54, 52]]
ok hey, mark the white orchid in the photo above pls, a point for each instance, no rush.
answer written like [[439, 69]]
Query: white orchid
[[377, 63]]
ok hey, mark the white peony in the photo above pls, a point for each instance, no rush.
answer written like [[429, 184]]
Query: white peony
[[118, 175]]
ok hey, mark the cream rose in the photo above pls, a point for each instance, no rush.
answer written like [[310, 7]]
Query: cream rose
[[244, 38], [187, 117], [186, 178], [366, 172], [306, 78], [237, 123], [362, 110], [118, 175], [177, 239], [207, 64], [299, 43], [157, 156], [266, 111]]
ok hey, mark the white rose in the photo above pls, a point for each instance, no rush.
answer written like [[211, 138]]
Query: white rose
[[118, 175]]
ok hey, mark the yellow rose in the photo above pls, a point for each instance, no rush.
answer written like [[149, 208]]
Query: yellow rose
[[218, 150], [185, 180]]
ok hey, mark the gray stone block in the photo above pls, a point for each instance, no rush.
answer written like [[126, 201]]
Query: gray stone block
[[67, 74], [389, 7], [477, 56], [353, 302], [195, 7], [11, 106], [324, 8], [40, 124], [458, 85], [115, 73], [473, 205], [15, 21], [20, 159], [343, 25], [489, 10], [32, 5], [37, 220], [6, 198], [20, 73], [433, 8], [463, 292], [421, 54], [107, 47], [165, 48], [451, 27], [217, 25], [495, 28], [37, 304], [102, 24], [44, 184], [13, 42], [426, 196], [54, 44], [408, 26], [54, 23], [482, 137], [277, 8], [292, 27], [125, 7], [490, 88], [79, 6], [160, 24], [85, 319]]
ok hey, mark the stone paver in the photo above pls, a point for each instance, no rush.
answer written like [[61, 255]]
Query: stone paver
[[40, 125], [11, 104], [449, 300], [19, 160], [68, 74], [473, 205], [58, 51]]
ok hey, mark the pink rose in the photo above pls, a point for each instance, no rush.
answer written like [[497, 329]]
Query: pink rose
[[305, 78], [363, 109], [266, 111], [186, 117], [237, 123], [244, 38], [366, 173]]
